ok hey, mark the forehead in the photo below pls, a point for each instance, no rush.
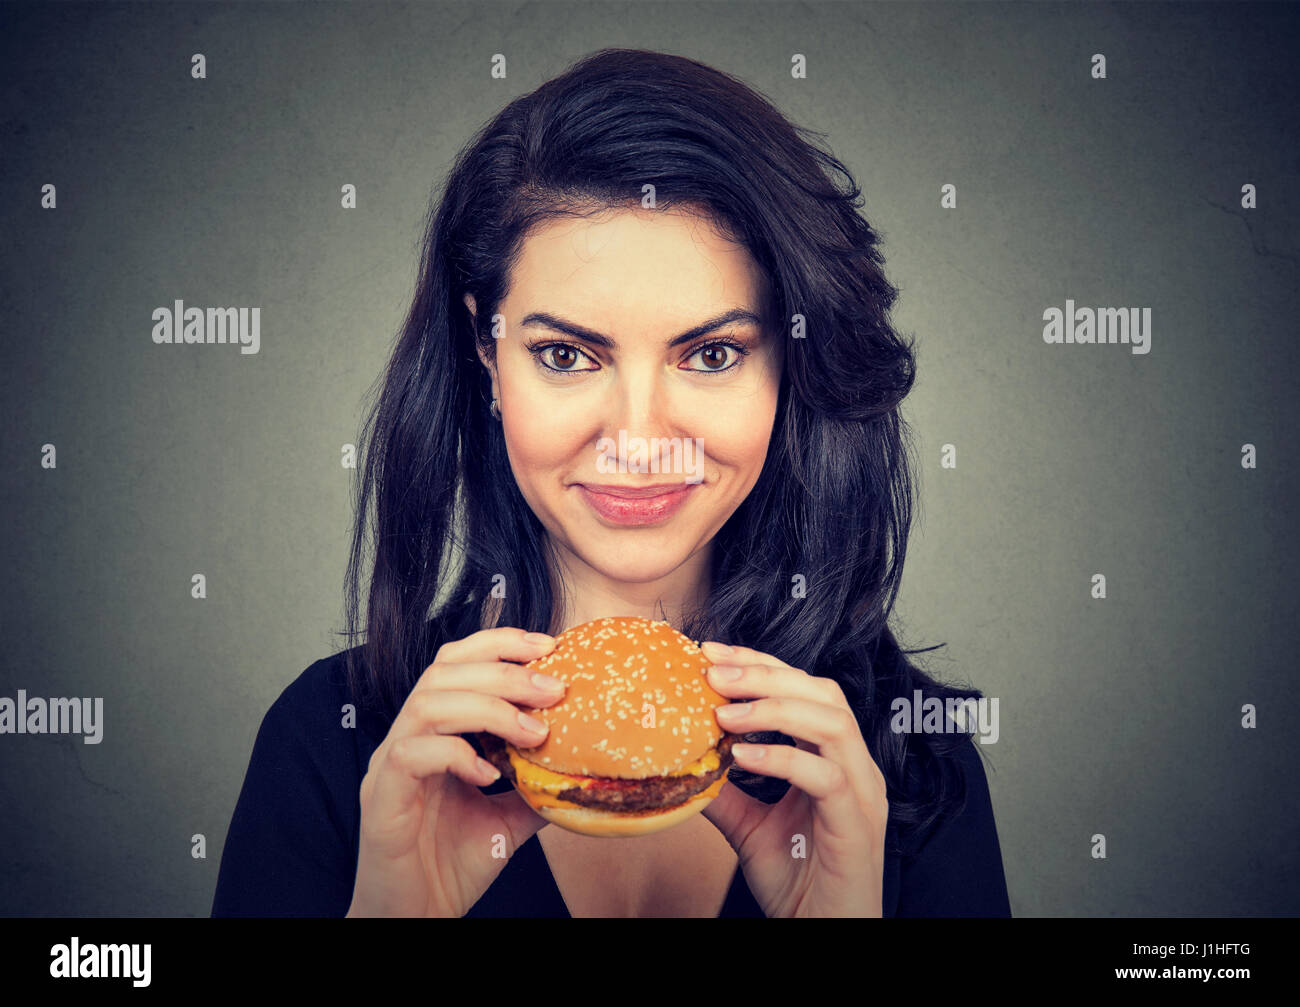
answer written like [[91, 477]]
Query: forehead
[[633, 268]]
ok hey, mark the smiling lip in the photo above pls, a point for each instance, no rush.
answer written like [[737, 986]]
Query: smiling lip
[[633, 505]]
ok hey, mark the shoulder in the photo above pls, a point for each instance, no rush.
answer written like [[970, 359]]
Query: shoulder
[[974, 805], [317, 717], [290, 844], [324, 694], [956, 867], [969, 756], [319, 685], [313, 700]]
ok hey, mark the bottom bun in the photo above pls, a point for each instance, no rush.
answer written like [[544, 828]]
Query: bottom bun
[[595, 822]]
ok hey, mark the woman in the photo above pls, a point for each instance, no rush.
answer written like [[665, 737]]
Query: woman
[[640, 280]]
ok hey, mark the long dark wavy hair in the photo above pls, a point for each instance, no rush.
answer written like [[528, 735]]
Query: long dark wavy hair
[[834, 500]]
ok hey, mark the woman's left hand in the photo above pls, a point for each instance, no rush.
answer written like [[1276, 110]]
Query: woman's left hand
[[836, 801]]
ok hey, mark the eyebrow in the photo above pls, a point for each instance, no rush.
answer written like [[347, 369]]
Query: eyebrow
[[596, 339]]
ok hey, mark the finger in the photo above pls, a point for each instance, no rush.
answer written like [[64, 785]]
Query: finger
[[831, 732], [458, 712], [825, 726], [503, 643], [520, 817], [514, 682], [734, 813], [733, 654], [392, 785], [836, 802], [757, 680], [840, 813]]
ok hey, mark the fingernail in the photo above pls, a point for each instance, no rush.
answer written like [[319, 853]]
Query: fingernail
[[532, 723], [541, 639], [733, 711], [745, 751], [546, 682], [721, 649], [488, 770], [725, 673]]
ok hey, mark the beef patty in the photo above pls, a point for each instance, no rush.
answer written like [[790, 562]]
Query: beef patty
[[611, 794]]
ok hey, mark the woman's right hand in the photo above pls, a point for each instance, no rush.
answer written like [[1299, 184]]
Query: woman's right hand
[[427, 831]]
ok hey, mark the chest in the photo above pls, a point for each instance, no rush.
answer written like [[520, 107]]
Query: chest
[[684, 872]]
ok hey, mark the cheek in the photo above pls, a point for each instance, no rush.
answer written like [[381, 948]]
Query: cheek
[[742, 448], [543, 432], [736, 433]]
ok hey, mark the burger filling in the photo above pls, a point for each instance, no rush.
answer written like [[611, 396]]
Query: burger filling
[[612, 794]]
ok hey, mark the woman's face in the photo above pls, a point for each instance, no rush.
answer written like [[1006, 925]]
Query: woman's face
[[603, 388]]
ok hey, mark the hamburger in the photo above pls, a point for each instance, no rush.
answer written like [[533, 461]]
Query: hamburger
[[633, 745]]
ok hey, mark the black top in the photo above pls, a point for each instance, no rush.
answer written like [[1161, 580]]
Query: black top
[[292, 845]]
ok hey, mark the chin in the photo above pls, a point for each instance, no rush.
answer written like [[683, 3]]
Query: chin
[[642, 562]]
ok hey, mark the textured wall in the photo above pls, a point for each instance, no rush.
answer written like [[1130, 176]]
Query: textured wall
[[1119, 716]]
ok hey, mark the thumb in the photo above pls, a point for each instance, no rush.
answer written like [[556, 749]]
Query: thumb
[[518, 815], [730, 811]]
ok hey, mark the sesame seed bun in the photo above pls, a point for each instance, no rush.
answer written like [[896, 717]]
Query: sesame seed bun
[[633, 746]]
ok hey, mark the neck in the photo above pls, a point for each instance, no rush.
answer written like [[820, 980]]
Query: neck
[[592, 594]]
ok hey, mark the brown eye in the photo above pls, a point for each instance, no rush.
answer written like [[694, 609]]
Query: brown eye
[[715, 357], [560, 358]]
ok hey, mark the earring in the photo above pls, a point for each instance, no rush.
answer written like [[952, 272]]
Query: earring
[[495, 410]]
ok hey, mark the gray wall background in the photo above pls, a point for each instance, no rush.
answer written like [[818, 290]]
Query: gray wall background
[[1119, 716]]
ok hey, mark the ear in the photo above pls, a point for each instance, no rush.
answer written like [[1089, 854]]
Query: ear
[[483, 359], [489, 364]]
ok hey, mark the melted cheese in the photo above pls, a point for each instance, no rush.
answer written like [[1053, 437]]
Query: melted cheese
[[544, 784]]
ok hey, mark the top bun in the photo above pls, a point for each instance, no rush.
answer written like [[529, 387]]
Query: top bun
[[621, 671]]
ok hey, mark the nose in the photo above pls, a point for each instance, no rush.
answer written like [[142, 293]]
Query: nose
[[642, 405]]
